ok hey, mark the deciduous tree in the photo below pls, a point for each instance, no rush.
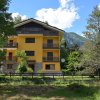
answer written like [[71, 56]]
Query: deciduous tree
[[6, 22], [91, 49]]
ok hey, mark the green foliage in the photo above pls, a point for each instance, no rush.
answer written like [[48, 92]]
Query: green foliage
[[29, 70], [70, 55], [91, 49], [93, 24], [2, 55], [3, 40], [6, 23], [21, 55], [64, 52], [73, 60], [22, 68], [75, 86], [17, 19]]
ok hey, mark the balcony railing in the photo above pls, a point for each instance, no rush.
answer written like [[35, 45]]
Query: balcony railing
[[11, 45], [9, 59], [51, 46], [37, 31], [50, 59], [50, 33]]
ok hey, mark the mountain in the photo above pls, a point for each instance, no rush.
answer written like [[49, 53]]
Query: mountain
[[73, 38]]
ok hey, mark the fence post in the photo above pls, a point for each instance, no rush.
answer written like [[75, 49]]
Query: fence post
[[32, 75], [53, 75], [82, 77], [10, 75], [63, 75]]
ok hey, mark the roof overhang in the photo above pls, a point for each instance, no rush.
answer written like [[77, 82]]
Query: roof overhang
[[38, 22]]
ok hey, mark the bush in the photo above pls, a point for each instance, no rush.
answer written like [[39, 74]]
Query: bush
[[29, 70], [21, 68]]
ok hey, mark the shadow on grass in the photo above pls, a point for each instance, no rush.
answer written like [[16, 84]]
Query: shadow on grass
[[26, 80], [71, 92]]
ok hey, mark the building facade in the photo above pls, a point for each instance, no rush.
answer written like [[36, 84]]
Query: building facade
[[41, 43]]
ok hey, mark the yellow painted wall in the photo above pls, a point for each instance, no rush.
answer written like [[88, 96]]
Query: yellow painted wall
[[37, 46], [55, 40], [13, 53], [11, 50]]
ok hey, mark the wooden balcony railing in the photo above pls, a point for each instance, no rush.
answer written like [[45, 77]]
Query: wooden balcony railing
[[51, 46], [50, 59], [11, 45], [37, 31], [50, 33]]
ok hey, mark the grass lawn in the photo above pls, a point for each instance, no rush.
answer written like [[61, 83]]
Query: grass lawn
[[57, 89], [48, 93]]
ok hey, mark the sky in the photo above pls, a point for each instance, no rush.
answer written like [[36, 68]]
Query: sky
[[69, 15]]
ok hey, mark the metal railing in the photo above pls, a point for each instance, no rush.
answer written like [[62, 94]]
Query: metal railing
[[11, 45], [9, 59], [51, 59], [51, 46]]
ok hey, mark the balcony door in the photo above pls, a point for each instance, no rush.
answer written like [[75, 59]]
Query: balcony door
[[10, 42], [10, 56], [49, 56], [50, 42]]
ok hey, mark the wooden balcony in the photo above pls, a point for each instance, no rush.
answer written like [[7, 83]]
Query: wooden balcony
[[37, 31], [11, 45], [51, 46], [51, 59]]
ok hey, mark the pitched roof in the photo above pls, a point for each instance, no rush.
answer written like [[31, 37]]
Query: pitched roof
[[38, 22]]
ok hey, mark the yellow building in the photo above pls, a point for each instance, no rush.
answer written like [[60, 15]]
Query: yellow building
[[41, 43]]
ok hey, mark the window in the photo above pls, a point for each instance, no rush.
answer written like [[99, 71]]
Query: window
[[9, 66], [30, 53], [30, 40], [50, 67], [47, 67]]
